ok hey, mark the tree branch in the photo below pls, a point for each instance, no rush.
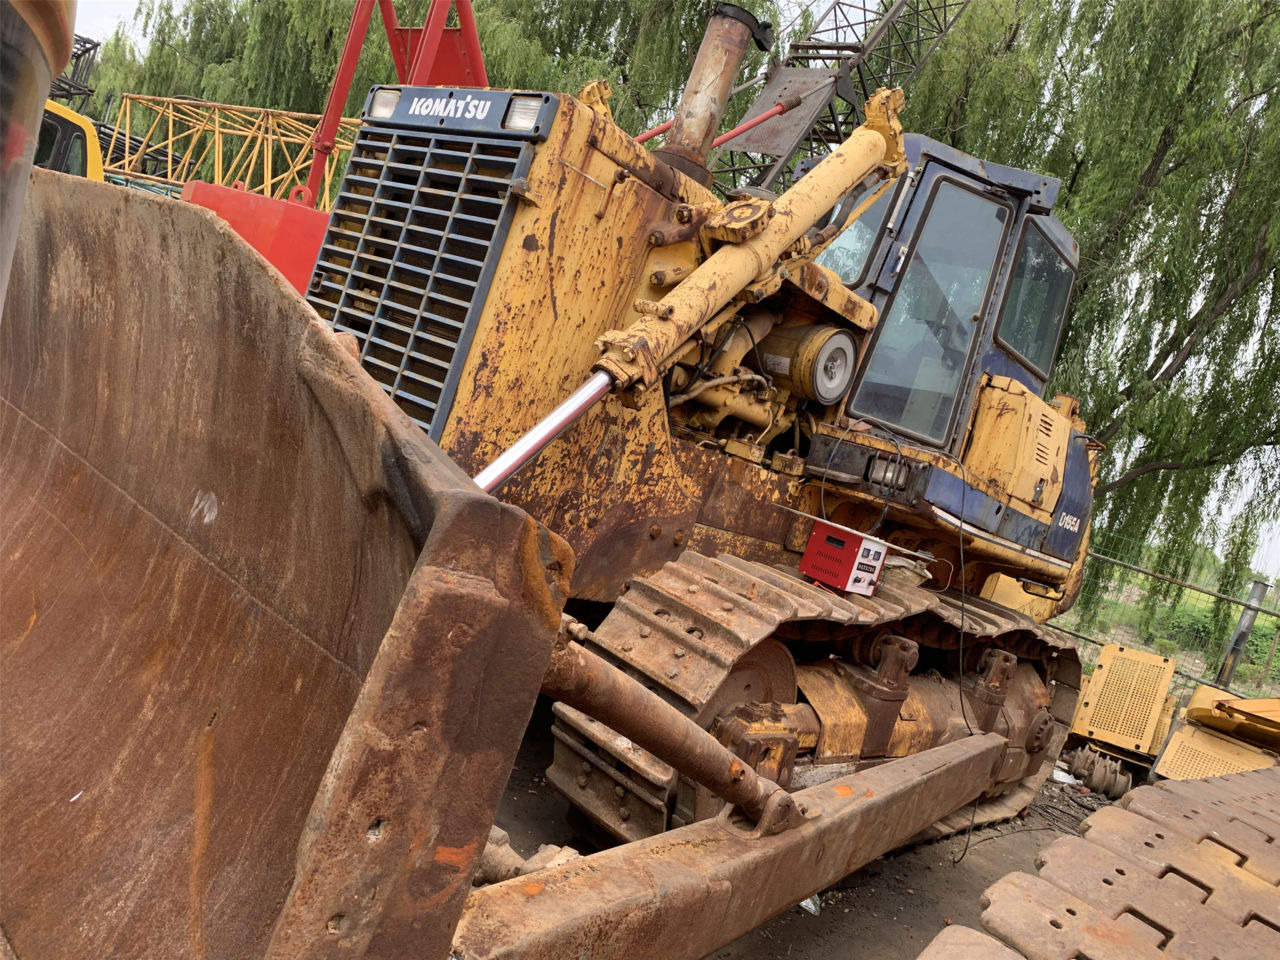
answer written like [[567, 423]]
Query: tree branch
[[1253, 96], [1215, 458], [1142, 470], [1168, 361], [1200, 326], [1154, 171]]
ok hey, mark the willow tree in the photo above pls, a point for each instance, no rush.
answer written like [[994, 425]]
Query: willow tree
[[644, 48], [1162, 119], [282, 54]]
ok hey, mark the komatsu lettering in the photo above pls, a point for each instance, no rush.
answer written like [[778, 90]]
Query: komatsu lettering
[[467, 108]]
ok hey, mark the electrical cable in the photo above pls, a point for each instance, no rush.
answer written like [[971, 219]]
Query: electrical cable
[[964, 594], [884, 506], [725, 334], [1011, 833], [755, 349], [822, 490], [964, 486], [706, 385]]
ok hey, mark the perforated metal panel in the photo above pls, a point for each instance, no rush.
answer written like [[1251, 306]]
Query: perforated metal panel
[[1126, 693], [413, 239], [1167, 712], [1196, 752]]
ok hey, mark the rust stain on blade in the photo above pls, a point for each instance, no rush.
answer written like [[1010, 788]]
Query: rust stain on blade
[[456, 856], [200, 836]]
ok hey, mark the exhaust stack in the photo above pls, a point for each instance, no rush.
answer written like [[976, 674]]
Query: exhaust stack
[[705, 95]]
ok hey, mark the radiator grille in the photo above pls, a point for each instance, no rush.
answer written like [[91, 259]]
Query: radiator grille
[[414, 236]]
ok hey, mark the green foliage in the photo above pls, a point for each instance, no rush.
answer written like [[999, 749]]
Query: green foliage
[[1186, 628], [1162, 119], [283, 54], [1247, 675], [1259, 645], [644, 48]]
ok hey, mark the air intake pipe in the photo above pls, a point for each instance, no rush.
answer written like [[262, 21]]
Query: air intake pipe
[[702, 104]]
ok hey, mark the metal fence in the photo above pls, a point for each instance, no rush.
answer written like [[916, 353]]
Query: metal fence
[[1146, 597]]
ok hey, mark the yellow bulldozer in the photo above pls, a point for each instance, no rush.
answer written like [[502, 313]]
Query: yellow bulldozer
[[768, 497]]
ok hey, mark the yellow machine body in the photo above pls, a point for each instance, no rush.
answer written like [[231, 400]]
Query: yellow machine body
[[485, 285], [601, 233], [1125, 699]]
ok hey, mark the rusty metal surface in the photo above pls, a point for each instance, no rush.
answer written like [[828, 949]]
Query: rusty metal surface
[[703, 632], [29, 46], [556, 288], [583, 680], [213, 616], [1182, 869], [778, 135], [694, 889], [961, 943], [697, 116]]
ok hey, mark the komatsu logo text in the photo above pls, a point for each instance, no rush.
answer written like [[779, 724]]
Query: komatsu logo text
[[466, 108]]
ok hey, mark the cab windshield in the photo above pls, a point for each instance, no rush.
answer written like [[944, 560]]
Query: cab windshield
[[847, 253], [919, 357]]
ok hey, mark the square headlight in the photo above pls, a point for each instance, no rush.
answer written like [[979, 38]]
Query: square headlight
[[522, 113], [384, 103]]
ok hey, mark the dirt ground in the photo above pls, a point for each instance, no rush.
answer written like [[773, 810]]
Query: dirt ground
[[893, 907], [889, 910]]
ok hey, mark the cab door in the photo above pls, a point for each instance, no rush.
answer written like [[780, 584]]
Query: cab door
[[935, 285]]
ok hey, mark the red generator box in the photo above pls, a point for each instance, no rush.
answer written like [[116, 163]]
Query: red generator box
[[844, 558]]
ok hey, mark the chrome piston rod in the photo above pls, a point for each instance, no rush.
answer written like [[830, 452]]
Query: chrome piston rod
[[546, 430]]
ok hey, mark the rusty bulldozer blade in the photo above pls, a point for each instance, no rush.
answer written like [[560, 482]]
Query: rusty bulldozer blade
[[267, 653], [684, 893]]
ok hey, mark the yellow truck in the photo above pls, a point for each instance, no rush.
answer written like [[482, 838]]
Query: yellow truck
[[68, 143]]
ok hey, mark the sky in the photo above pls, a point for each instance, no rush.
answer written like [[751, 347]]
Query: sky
[[1267, 558], [97, 19]]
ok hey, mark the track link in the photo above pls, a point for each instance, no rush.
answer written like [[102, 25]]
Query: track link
[[1185, 868], [701, 632]]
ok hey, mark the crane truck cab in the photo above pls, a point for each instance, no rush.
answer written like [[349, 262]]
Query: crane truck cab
[[68, 143]]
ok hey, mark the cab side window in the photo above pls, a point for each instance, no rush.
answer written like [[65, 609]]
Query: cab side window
[[1036, 302], [47, 144], [848, 252], [75, 163]]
